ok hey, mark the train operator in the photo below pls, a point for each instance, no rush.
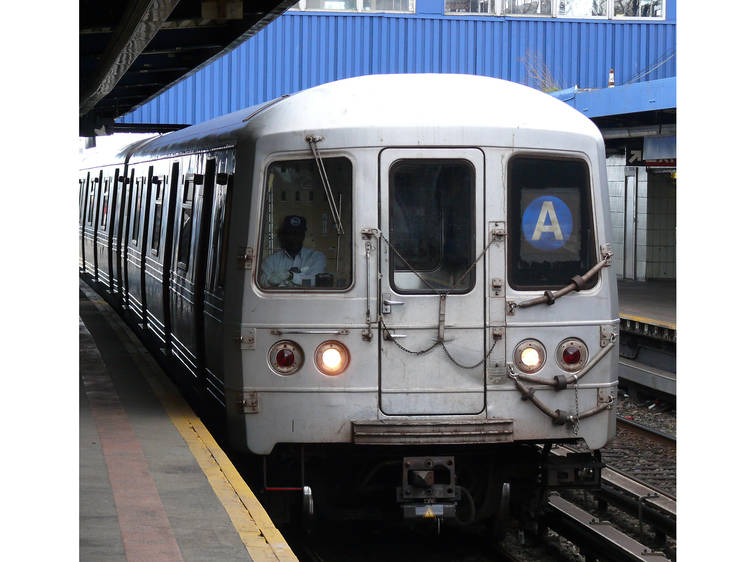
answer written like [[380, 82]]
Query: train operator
[[293, 265]]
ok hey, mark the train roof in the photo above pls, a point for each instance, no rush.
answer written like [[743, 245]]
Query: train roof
[[375, 104], [113, 149]]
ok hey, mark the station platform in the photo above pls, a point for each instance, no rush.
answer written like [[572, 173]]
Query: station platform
[[648, 309], [154, 484], [648, 302]]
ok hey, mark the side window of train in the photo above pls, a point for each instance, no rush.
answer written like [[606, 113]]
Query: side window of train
[[550, 222], [431, 224], [105, 202], [307, 233], [220, 227], [186, 222], [159, 184]]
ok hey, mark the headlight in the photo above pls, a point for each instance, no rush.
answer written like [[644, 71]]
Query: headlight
[[529, 356], [572, 355], [332, 357], [285, 357]]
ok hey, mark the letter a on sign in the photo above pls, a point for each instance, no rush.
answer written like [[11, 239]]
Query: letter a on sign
[[548, 210], [547, 223]]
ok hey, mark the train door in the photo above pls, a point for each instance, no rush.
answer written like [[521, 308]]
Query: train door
[[433, 340], [125, 220], [114, 235], [213, 302], [89, 226], [168, 221], [138, 220], [103, 238], [157, 252], [204, 198], [188, 273], [82, 198]]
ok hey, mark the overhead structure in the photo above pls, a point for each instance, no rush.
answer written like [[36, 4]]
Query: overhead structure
[[132, 50]]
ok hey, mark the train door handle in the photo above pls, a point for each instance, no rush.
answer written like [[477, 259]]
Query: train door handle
[[388, 303]]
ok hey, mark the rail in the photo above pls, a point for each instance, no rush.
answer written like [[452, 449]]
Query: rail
[[650, 504], [593, 536], [649, 431]]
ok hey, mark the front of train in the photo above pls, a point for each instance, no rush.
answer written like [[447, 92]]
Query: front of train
[[432, 304]]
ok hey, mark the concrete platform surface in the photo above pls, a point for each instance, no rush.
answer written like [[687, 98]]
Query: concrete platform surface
[[651, 302], [154, 485]]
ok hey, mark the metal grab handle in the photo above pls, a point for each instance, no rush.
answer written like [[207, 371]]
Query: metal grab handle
[[391, 303], [390, 336]]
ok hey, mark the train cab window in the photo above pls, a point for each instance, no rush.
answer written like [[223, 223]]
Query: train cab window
[[105, 203], [551, 231], [307, 238], [431, 225], [186, 222], [158, 188]]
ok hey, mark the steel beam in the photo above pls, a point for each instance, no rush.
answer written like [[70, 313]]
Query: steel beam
[[143, 20]]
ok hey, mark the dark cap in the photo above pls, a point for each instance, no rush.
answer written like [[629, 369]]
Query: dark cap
[[293, 223]]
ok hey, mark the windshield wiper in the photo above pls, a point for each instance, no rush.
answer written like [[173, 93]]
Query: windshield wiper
[[577, 283], [313, 142]]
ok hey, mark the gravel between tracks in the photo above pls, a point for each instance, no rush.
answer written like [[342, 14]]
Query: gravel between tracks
[[651, 461]]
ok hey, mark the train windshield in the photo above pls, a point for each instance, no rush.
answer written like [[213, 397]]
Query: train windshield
[[302, 248], [432, 225], [550, 219]]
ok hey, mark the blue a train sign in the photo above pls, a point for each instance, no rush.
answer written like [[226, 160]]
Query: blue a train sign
[[547, 223]]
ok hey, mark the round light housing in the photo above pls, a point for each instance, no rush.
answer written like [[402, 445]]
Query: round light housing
[[285, 357], [529, 356], [331, 357], [572, 355]]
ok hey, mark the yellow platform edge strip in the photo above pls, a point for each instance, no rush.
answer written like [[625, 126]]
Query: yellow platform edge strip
[[263, 541], [647, 320]]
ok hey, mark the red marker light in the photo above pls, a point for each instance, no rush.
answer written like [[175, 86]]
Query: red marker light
[[571, 355], [285, 358]]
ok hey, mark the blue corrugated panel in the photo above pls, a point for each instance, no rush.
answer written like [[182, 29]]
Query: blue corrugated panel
[[300, 50]]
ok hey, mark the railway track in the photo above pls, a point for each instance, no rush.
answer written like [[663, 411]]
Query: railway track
[[595, 538], [648, 503], [649, 432]]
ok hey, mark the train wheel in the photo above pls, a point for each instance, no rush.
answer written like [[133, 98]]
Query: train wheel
[[501, 520], [307, 518]]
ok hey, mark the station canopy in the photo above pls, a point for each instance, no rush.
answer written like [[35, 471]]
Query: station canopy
[[132, 50]]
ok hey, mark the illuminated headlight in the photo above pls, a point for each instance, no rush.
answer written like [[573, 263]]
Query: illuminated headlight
[[285, 357], [529, 356], [572, 355], [332, 357]]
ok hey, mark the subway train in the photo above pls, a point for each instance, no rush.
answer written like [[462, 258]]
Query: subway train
[[395, 289]]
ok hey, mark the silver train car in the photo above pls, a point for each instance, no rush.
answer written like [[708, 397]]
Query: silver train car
[[395, 288]]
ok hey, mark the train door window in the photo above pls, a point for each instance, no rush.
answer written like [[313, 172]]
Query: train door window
[[81, 196], [550, 222], [307, 238], [159, 184], [220, 228], [186, 222], [92, 192], [105, 202], [135, 226], [431, 223]]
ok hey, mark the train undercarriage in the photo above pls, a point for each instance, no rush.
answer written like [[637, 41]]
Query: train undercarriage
[[484, 485]]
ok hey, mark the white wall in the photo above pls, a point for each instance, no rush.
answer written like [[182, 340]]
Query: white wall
[[662, 227], [616, 180]]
